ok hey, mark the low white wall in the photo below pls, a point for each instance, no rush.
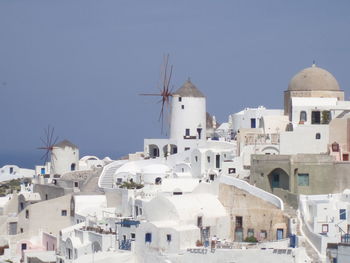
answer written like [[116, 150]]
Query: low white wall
[[275, 200]]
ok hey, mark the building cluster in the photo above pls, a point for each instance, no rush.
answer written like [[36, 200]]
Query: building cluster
[[268, 184]]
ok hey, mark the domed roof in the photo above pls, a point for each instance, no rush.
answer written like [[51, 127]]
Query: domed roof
[[189, 90], [313, 78]]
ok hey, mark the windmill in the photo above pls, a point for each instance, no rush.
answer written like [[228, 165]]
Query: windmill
[[48, 141], [164, 91]]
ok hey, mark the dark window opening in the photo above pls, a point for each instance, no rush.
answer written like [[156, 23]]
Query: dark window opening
[[318, 136], [217, 161], [231, 170], [187, 148], [63, 212], [168, 237], [182, 106], [72, 167], [180, 99], [76, 184], [27, 214], [187, 132], [342, 214], [199, 131], [177, 193], [239, 221], [199, 221], [253, 123], [316, 117], [148, 237]]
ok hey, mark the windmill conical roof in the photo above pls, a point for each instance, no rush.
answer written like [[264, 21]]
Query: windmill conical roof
[[65, 143], [189, 90]]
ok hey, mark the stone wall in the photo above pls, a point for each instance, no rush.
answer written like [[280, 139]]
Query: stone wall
[[257, 214]]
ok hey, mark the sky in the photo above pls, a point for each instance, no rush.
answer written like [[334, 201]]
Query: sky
[[80, 65]]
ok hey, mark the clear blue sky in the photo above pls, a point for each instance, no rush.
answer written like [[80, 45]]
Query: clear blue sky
[[79, 65]]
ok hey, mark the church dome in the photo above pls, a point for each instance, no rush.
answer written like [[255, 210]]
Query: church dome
[[313, 79]]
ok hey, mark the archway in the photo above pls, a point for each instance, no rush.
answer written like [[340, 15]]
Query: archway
[[278, 178], [153, 151], [169, 149]]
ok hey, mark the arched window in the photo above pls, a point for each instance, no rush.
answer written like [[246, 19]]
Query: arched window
[[72, 167], [303, 116]]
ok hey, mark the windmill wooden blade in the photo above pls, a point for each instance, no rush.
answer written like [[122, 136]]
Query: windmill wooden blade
[[48, 143]]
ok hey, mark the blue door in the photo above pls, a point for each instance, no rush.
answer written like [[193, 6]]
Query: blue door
[[275, 180], [279, 234]]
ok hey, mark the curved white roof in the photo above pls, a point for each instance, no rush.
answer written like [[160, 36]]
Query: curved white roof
[[184, 207]]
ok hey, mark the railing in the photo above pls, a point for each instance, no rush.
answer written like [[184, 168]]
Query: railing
[[125, 244]]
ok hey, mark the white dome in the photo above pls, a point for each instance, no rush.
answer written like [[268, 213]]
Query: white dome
[[313, 79]]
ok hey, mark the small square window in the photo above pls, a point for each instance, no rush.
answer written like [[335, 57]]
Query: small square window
[[168, 237], [324, 228], [133, 235], [342, 214], [63, 212], [303, 179], [231, 170], [318, 136]]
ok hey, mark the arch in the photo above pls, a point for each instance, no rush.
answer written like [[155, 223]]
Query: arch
[[158, 180], [96, 247], [278, 178], [270, 150], [153, 151], [169, 149], [303, 116]]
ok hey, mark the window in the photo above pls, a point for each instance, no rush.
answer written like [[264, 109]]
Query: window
[[148, 237], [21, 230], [133, 236], [326, 117], [303, 116], [342, 214], [180, 99], [208, 159], [318, 136], [119, 180], [187, 148], [72, 167], [250, 232], [217, 161], [22, 206], [199, 221], [316, 117], [140, 210], [177, 193], [303, 179], [187, 132], [76, 184], [182, 106], [231, 170], [196, 158], [11, 170], [23, 246], [46, 197], [335, 147], [253, 123], [168, 237], [324, 228], [345, 157], [239, 221], [27, 214], [63, 212], [42, 171], [263, 234]]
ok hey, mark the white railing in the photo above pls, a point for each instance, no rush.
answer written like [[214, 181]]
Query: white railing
[[273, 199]]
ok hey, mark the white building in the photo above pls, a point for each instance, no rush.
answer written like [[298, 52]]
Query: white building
[[64, 158]]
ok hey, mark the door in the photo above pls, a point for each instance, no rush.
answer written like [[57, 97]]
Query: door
[[279, 233], [239, 234], [275, 181]]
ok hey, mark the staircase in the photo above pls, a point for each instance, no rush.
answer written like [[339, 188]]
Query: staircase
[[106, 179], [310, 251]]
